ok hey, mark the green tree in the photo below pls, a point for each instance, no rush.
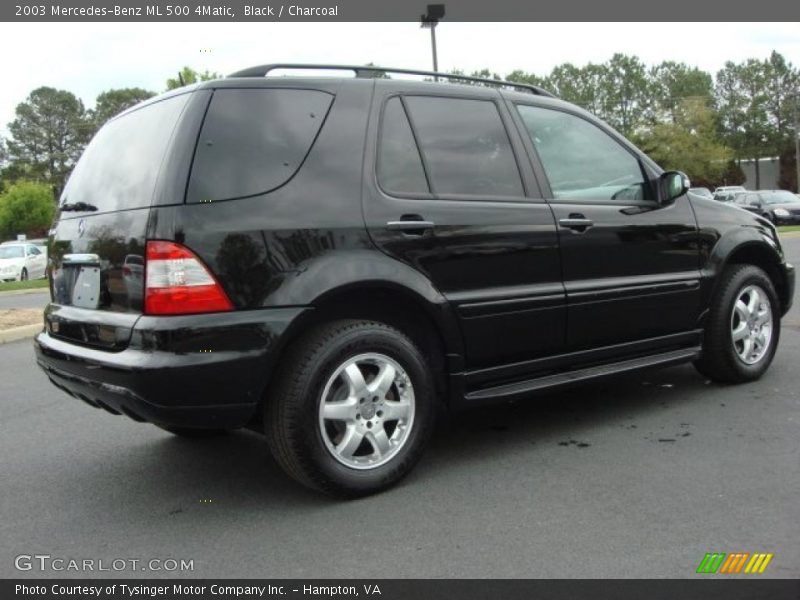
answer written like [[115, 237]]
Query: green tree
[[188, 76], [782, 82], [625, 93], [112, 102], [742, 96], [690, 143], [579, 85], [523, 77], [671, 83], [48, 135], [26, 207]]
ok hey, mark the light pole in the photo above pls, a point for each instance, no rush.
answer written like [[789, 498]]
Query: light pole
[[429, 20]]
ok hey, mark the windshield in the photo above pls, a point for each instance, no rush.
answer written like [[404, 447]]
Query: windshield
[[11, 252], [779, 197]]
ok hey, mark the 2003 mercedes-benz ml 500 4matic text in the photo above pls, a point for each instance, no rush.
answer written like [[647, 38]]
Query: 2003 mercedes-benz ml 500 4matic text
[[332, 259]]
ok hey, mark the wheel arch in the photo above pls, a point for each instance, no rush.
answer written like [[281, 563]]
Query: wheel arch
[[747, 247], [372, 286]]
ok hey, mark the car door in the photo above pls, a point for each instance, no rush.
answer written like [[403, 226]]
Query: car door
[[750, 201], [446, 195], [630, 264], [37, 262]]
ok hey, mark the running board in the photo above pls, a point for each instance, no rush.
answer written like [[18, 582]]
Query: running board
[[510, 390]]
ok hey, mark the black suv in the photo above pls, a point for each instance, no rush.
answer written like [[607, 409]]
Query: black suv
[[332, 259]]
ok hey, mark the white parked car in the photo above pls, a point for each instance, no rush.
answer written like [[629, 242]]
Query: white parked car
[[21, 261]]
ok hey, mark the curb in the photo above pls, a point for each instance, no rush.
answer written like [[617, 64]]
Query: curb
[[43, 290], [19, 333], [789, 234]]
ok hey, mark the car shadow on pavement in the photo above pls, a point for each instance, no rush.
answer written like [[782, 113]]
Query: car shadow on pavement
[[179, 475]]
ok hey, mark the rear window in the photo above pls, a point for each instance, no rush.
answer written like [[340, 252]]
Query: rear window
[[119, 168], [254, 140]]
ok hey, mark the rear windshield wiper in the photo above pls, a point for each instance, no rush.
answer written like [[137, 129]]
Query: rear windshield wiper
[[78, 207]]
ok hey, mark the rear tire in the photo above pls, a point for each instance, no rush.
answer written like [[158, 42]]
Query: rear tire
[[743, 327], [352, 408]]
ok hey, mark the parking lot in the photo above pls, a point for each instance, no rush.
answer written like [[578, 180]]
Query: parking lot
[[635, 477]]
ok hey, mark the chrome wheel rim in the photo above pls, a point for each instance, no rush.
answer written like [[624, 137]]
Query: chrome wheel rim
[[751, 324], [366, 412]]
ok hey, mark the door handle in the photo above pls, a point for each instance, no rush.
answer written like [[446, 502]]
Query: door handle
[[410, 226], [576, 222]]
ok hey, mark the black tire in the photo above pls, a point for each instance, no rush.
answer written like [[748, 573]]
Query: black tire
[[719, 361], [194, 433], [23, 275], [291, 413]]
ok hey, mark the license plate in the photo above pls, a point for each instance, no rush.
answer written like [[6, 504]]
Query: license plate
[[86, 292]]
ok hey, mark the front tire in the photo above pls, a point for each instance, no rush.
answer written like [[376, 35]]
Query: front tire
[[352, 408], [743, 327]]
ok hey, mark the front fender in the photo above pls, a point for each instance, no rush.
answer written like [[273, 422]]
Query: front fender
[[756, 244]]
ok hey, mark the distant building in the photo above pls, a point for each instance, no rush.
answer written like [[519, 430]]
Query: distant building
[[769, 171]]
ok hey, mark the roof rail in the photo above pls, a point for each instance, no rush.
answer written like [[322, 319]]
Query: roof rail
[[369, 71]]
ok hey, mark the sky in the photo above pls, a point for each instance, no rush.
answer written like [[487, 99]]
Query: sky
[[88, 58]]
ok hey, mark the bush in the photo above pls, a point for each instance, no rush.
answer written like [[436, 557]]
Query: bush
[[26, 207]]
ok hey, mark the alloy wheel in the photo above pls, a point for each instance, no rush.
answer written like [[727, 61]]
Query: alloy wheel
[[366, 412], [751, 324]]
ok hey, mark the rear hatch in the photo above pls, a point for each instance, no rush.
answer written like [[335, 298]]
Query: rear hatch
[[97, 244]]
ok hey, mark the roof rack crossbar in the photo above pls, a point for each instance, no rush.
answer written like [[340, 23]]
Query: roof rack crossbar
[[369, 71]]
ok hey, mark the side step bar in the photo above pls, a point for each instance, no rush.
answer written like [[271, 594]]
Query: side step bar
[[511, 390]]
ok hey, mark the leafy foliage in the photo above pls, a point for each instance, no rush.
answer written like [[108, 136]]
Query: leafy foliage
[[190, 76], [113, 102], [689, 143], [48, 135], [26, 207]]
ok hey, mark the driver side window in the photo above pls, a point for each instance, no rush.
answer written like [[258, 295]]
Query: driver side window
[[583, 162]]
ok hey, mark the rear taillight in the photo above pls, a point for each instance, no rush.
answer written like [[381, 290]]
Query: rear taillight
[[177, 283]]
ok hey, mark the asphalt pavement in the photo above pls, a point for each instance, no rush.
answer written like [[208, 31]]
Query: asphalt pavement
[[634, 477], [33, 299]]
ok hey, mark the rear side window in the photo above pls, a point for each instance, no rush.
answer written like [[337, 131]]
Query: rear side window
[[254, 140], [119, 168], [465, 145], [400, 167]]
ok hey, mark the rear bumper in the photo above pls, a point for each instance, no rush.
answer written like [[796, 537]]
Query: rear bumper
[[204, 371]]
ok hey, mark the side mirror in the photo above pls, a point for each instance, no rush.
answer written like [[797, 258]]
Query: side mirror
[[672, 185]]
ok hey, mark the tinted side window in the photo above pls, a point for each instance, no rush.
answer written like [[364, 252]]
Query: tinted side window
[[466, 146], [254, 140], [119, 168], [33, 250], [400, 167], [581, 160]]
